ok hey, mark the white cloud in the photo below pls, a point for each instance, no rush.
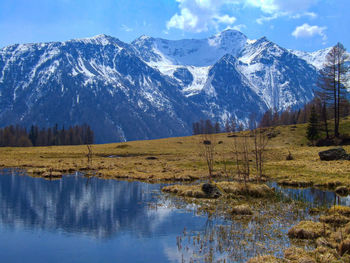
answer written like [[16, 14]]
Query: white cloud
[[263, 19], [126, 28], [226, 19], [275, 6], [294, 5], [305, 31], [186, 20], [294, 9], [311, 15], [238, 27], [274, 16], [200, 15]]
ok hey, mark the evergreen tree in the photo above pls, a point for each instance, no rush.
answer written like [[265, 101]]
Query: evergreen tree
[[217, 128], [266, 120], [275, 118], [14, 136], [233, 124], [312, 132], [89, 136], [227, 126], [252, 121], [209, 128], [285, 117], [33, 134], [195, 128]]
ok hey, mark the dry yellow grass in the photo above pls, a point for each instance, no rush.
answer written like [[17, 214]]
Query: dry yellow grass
[[229, 188], [120, 160], [335, 219], [178, 159], [265, 259], [339, 209], [243, 209], [185, 190], [332, 242], [252, 190], [299, 255], [309, 230]]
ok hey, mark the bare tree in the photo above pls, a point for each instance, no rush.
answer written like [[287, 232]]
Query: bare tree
[[342, 76], [260, 141], [245, 159], [242, 150], [332, 81], [208, 144], [236, 152]]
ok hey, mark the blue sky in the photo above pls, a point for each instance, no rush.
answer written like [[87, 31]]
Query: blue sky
[[306, 25]]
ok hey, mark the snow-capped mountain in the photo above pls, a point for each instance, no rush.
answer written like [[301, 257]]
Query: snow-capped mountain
[[316, 59], [279, 78], [152, 87], [99, 81]]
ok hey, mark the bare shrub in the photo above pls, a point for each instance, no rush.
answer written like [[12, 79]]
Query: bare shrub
[[260, 140]]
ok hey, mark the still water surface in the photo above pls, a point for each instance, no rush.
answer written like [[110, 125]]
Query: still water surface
[[77, 219], [312, 196], [87, 220]]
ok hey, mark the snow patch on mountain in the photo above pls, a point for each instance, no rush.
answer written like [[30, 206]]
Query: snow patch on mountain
[[190, 52], [200, 77], [317, 58]]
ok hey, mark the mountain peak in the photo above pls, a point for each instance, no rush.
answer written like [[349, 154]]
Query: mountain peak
[[101, 36], [262, 40], [227, 38], [144, 37], [264, 43], [101, 39], [228, 58], [142, 40], [229, 33]]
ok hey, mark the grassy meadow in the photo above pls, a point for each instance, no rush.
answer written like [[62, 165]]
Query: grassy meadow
[[181, 159]]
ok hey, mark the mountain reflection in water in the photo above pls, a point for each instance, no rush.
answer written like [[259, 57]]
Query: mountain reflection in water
[[83, 217]]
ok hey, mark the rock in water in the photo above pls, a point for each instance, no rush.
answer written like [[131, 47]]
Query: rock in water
[[342, 191], [334, 154], [211, 190]]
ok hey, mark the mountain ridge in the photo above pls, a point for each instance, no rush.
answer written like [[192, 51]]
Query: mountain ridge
[[152, 87]]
